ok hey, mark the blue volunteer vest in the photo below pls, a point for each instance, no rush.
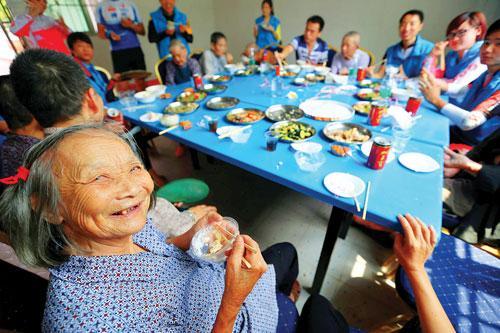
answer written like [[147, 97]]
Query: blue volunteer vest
[[412, 65], [477, 94], [160, 23], [265, 37], [455, 66]]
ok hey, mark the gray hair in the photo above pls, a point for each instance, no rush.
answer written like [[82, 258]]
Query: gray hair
[[354, 35], [176, 43], [29, 209]]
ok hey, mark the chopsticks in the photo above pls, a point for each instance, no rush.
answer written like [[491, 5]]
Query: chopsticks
[[229, 233], [232, 132], [168, 129], [365, 206], [357, 204]]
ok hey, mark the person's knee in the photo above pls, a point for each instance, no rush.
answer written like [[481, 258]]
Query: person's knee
[[318, 303], [287, 248]]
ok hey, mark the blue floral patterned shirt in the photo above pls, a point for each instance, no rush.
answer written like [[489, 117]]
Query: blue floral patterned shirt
[[162, 290]]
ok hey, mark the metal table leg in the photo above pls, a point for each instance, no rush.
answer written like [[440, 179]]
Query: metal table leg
[[338, 225]]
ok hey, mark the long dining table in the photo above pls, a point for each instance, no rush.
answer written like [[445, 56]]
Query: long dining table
[[394, 189]]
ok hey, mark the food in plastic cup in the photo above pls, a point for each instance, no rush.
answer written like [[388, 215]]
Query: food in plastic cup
[[272, 139], [211, 242], [413, 105]]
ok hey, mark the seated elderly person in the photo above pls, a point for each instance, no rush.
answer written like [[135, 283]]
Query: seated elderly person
[[181, 68], [213, 60], [350, 55], [81, 211]]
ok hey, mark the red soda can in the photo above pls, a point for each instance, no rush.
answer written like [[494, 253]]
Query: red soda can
[[278, 71], [378, 153], [361, 74], [198, 81], [413, 105], [377, 111], [114, 114]]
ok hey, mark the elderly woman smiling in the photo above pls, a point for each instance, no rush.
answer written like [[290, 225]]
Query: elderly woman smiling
[[81, 211]]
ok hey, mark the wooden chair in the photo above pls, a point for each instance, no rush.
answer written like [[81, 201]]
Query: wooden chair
[[157, 67], [104, 71]]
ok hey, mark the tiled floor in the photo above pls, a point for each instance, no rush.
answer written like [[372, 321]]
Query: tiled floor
[[271, 213]]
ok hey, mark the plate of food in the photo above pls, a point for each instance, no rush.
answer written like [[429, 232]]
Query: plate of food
[[368, 94], [191, 96], [299, 81], [181, 108], [312, 77], [286, 74], [367, 83], [150, 117], [213, 89], [282, 112], [219, 78], [363, 107], [244, 71], [293, 131], [222, 103], [327, 110], [347, 133], [292, 68], [245, 116]]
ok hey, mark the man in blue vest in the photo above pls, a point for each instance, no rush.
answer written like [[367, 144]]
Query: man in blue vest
[[168, 23], [409, 54]]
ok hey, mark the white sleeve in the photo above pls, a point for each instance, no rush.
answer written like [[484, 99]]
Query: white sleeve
[[295, 43], [465, 120], [462, 80]]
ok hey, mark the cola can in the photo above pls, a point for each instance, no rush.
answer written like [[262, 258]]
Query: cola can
[[114, 114], [413, 105], [361, 74], [377, 111], [198, 81], [379, 153]]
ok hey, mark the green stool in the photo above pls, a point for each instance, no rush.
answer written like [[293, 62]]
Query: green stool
[[186, 190]]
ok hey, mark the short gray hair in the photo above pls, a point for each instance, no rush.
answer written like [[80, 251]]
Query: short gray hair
[[353, 35], [37, 241], [176, 43]]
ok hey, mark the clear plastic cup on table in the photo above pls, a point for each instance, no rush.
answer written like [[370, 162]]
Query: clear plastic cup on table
[[212, 241], [272, 139], [400, 138]]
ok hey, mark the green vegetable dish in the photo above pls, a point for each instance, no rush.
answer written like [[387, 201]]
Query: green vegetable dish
[[293, 131]]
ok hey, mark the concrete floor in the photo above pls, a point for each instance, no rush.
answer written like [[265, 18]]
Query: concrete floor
[[271, 213]]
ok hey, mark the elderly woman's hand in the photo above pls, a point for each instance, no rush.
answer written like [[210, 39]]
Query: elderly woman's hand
[[184, 241], [200, 211], [460, 161]]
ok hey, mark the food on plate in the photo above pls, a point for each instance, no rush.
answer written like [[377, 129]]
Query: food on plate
[[245, 116], [218, 242], [220, 78], [186, 124], [369, 96], [352, 135], [285, 112], [180, 108], [213, 88], [191, 96], [362, 107], [288, 74], [165, 96], [341, 151], [244, 72], [294, 131], [311, 77]]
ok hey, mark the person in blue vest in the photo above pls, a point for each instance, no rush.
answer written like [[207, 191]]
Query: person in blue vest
[[267, 28], [82, 51], [168, 23], [119, 22], [478, 115], [462, 65], [409, 54]]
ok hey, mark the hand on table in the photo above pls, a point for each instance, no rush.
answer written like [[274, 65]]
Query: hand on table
[[454, 160], [200, 211], [415, 245]]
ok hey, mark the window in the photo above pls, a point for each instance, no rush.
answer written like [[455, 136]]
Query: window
[[79, 15]]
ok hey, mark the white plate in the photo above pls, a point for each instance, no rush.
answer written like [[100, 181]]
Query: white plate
[[418, 162], [344, 184], [307, 147], [367, 146], [331, 110], [150, 117]]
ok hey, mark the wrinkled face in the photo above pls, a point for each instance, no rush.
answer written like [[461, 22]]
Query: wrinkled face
[[168, 6], [410, 27], [220, 48], [179, 56], [349, 47], [83, 51], [266, 9], [464, 37], [105, 190], [490, 50], [312, 32]]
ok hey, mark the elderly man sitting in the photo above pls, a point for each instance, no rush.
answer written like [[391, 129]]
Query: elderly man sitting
[[350, 56], [181, 68]]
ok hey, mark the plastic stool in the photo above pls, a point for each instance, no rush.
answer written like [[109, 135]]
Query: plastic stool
[[186, 190]]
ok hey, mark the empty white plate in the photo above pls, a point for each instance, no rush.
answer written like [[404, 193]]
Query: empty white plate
[[418, 162], [344, 184], [150, 117], [307, 147], [367, 147]]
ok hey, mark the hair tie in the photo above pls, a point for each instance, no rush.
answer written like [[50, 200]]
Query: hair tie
[[22, 173]]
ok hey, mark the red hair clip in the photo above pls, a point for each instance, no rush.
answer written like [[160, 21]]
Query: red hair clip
[[22, 173]]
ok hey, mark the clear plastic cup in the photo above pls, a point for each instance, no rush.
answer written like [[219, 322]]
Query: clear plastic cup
[[401, 136], [211, 242], [272, 139]]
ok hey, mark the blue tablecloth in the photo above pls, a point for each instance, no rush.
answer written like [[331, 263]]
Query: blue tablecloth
[[395, 189], [467, 282]]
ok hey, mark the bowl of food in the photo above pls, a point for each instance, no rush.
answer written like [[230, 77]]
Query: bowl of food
[[245, 116], [368, 94], [222, 103], [299, 81], [281, 112], [191, 96], [219, 78], [347, 133], [213, 89], [181, 108], [362, 107], [293, 131], [157, 90], [322, 70], [145, 97], [211, 242], [292, 68], [169, 120]]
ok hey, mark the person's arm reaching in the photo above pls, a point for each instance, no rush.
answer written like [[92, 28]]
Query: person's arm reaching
[[413, 247], [284, 53]]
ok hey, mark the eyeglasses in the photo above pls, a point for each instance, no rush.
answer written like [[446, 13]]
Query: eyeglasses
[[459, 34]]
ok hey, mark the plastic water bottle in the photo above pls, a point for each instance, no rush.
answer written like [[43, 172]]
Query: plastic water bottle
[[277, 84], [251, 61], [352, 75]]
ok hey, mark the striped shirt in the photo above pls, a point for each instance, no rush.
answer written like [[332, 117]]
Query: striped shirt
[[318, 54]]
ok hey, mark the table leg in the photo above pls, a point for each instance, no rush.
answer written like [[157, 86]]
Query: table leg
[[338, 225], [194, 158]]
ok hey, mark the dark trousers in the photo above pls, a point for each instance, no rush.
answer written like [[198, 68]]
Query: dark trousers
[[283, 257], [128, 59], [319, 316]]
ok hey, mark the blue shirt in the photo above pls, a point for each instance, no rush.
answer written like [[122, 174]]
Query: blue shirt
[[265, 37], [412, 60], [110, 13], [318, 55], [161, 290]]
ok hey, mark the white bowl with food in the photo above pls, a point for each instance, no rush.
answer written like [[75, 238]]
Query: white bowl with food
[[169, 120], [321, 70], [157, 89], [145, 97], [292, 68]]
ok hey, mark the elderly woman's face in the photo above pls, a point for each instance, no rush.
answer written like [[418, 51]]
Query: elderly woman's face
[[179, 56], [349, 47], [105, 190]]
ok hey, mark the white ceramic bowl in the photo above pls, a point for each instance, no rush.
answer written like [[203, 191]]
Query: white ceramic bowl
[[232, 68], [157, 90], [169, 120], [292, 68], [321, 70], [145, 97]]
